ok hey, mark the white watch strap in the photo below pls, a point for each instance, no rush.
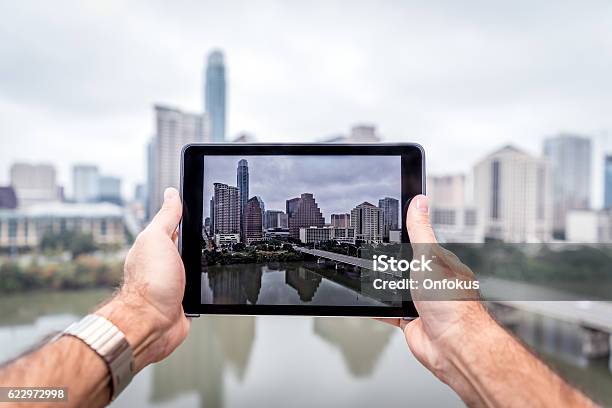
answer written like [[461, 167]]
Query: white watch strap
[[108, 342]]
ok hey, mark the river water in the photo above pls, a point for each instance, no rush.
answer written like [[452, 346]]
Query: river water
[[271, 361]]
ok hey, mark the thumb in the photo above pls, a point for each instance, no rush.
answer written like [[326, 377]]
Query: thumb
[[169, 215], [417, 220]]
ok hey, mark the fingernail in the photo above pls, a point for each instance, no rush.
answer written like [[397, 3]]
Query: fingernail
[[422, 204], [170, 193]]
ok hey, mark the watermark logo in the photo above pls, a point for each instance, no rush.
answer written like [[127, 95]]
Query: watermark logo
[[385, 263]]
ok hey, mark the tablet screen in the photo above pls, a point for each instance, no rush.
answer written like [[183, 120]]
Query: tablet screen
[[289, 229]]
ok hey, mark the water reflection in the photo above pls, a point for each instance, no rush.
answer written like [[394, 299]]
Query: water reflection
[[289, 361], [199, 364], [360, 343], [283, 284]]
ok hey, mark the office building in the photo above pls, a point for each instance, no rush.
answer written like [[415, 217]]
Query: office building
[[226, 209], [341, 220], [367, 220], [569, 160], [275, 219], [173, 130], [512, 195], [343, 234], [214, 95], [253, 220], [390, 208], [25, 227], [451, 210], [310, 235], [34, 183], [226, 240], [110, 190], [85, 183], [608, 181], [303, 212], [277, 233], [242, 182], [8, 198]]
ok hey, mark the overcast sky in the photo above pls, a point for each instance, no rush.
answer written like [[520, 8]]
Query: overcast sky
[[78, 79], [338, 183]]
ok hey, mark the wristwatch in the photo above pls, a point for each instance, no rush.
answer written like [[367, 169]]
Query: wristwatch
[[108, 342]]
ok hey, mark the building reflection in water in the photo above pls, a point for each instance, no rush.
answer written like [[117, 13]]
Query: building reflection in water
[[214, 345], [304, 281], [361, 342], [232, 284], [242, 283]]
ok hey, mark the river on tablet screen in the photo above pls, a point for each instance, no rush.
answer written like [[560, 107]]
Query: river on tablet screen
[[289, 283]]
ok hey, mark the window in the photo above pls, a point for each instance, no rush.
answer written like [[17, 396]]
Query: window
[[443, 216], [495, 170], [470, 217]]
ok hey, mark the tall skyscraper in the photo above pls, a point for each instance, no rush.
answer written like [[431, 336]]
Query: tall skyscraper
[[569, 158], [86, 183], [173, 130], [303, 212], [226, 209], [368, 222], [34, 183], [214, 98], [512, 194], [608, 182], [242, 182], [254, 220], [390, 208]]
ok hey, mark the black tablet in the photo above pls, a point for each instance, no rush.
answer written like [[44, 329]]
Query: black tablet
[[279, 229]]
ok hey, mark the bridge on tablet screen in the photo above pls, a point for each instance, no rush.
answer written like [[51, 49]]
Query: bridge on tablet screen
[[333, 256]]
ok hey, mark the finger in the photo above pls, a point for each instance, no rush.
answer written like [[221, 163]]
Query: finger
[[403, 324], [169, 216], [389, 320], [417, 221]]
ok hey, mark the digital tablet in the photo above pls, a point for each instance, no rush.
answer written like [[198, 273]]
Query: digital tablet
[[280, 229]]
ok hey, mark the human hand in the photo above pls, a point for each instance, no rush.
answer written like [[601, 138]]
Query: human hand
[[148, 307], [443, 325]]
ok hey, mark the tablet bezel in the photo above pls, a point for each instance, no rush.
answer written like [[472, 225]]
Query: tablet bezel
[[190, 229]]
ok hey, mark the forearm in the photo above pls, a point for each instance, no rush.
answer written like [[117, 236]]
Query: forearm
[[501, 371], [65, 363], [68, 362]]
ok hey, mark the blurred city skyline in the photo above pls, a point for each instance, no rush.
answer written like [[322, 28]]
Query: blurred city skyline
[[459, 79]]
